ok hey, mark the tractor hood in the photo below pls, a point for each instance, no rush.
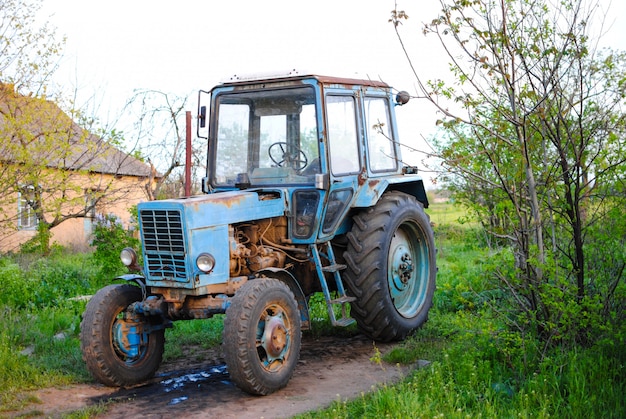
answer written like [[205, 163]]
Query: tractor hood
[[221, 208], [175, 232]]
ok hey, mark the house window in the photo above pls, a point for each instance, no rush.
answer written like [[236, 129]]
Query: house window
[[93, 209], [94, 203], [91, 201], [26, 216]]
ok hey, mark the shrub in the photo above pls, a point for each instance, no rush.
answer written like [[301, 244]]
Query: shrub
[[40, 243], [109, 238], [17, 291]]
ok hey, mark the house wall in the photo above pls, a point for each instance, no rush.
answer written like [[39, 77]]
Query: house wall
[[123, 193]]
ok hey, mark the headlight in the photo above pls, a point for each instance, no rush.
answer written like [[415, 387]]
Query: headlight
[[128, 256], [205, 262]]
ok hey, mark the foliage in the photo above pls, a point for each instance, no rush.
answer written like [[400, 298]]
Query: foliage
[[51, 162], [46, 282], [320, 320], [464, 383], [17, 291], [109, 239], [533, 144], [40, 243], [29, 50], [474, 365], [41, 318]]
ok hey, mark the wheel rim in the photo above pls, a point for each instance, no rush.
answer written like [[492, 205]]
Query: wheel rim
[[273, 338], [408, 270]]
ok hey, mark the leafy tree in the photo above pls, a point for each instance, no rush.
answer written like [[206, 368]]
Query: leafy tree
[[58, 169], [28, 51], [534, 144]]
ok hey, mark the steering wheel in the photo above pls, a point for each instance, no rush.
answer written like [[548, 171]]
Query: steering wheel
[[296, 159]]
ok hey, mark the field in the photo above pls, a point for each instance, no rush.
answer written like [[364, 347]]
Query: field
[[475, 365]]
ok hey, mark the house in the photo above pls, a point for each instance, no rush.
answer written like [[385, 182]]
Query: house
[[54, 172]]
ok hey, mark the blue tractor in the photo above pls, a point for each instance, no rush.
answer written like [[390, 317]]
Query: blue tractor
[[305, 192]]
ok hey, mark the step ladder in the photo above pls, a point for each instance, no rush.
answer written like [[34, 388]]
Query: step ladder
[[324, 260]]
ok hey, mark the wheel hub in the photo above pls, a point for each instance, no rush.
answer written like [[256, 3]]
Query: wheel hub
[[402, 268], [275, 337], [127, 338]]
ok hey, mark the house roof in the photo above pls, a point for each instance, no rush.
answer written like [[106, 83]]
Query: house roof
[[34, 128]]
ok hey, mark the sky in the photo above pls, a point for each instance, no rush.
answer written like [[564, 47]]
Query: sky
[[116, 46]]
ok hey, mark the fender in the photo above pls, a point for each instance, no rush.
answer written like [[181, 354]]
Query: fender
[[286, 277], [376, 187], [137, 279]]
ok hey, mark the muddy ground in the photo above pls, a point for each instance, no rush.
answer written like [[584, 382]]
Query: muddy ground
[[330, 368]]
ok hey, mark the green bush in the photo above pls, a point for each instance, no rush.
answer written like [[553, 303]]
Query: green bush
[[40, 243], [46, 281], [59, 279], [17, 290], [109, 238]]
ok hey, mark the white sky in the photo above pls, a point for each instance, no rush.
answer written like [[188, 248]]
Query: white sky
[[116, 46]]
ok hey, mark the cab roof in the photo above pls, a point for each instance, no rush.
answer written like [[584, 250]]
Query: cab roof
[[295, 75]]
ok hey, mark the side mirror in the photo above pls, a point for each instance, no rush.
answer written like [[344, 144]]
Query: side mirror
[[402, 98], [202, 130], [202, 116]]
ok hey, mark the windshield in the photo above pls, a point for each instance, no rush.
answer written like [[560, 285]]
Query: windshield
[[266, 138]]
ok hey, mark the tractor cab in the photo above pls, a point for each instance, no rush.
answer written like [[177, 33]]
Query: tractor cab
[[323, 138]]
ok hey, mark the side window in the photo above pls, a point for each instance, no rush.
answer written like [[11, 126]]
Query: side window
[[342, 135], [382, 155], [337, 202], [26, 219]]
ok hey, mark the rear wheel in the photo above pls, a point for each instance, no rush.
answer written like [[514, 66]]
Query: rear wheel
[[116, 345], [391, 267], [262, 336]]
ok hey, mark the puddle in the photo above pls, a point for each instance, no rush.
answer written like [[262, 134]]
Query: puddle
[[179, 382], [192, 381], [176, 387], [177, 400]]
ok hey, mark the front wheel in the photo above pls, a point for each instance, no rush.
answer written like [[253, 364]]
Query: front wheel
[[116, 345], [262, 336], [391, 267]]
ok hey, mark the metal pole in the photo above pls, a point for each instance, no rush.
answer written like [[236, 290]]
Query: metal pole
[[188, 155]]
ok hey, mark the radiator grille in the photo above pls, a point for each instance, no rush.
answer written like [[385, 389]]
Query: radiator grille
[[164, 244]]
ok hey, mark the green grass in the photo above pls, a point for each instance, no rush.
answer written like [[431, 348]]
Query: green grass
[[202, 333], [447, 213], [479, 368], [476, 365]]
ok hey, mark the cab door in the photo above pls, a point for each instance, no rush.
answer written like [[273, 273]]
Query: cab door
[[345, 164]]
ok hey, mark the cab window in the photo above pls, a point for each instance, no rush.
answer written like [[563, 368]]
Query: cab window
[[342, 135], [381, 148]]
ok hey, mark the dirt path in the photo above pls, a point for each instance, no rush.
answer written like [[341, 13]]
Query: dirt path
[[330, 368]]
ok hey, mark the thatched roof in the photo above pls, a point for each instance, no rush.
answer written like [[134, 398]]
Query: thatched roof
[[37, 129]]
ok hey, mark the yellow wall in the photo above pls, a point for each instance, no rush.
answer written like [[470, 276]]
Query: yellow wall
[[123, 193]]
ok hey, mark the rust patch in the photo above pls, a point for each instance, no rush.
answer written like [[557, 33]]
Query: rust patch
[[227, 200], [351, 83], [362, 177]]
